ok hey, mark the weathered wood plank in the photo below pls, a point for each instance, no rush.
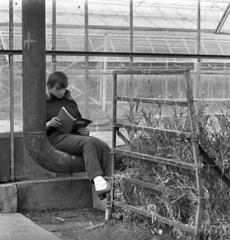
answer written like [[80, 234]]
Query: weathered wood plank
[[197, 158], [154, 216], [172, 162], [177, 193], [153, 100], [165, 132]]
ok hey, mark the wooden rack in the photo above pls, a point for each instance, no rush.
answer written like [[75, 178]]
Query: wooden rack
[[192, 136]]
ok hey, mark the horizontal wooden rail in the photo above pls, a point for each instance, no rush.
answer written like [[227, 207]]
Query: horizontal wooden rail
[[177, 193], [166, 132], [152, 186], [152, 100], [154, 216], [155, 159]]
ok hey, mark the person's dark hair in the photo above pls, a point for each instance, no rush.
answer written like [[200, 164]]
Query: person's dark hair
[[57, 78], [62, 80]]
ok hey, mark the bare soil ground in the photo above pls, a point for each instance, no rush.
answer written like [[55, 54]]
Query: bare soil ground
[[86, 224]]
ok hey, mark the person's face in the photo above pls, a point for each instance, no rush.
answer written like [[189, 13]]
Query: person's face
[[57, 91]]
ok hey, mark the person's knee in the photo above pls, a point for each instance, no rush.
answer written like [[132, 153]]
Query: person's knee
[[105, 146], [91, 143]]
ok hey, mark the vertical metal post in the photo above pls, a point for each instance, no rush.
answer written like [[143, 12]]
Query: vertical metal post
[[86, 85], [113, 139], [132, 85], [131, 46], [11, 63], [100, 76], [54, 37], [196, 155], [198, 49], [114, 114], [104, 77], [34, 66]]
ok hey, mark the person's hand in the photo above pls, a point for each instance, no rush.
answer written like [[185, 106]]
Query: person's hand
[[54, 122], [84, 131]]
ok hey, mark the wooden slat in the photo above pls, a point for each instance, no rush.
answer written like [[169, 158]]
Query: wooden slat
[[197, 160], [165, 132], [171, 162], [162, 189], [154, 216], [152, 186], [153, 100]]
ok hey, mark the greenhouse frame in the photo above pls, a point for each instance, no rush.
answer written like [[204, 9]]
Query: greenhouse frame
[[143, 48]]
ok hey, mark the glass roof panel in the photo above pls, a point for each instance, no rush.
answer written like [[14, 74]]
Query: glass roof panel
[[158, 13], [161, 26]]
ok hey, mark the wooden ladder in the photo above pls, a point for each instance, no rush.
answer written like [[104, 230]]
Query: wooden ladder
[[196, 166]]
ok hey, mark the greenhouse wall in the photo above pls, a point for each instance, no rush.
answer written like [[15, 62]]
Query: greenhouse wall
[[127, 27]]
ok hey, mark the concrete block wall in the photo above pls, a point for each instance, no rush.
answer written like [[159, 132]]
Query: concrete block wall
[[8, 198], [43, 194]]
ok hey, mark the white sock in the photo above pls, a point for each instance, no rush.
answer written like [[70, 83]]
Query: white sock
[[100, 183]]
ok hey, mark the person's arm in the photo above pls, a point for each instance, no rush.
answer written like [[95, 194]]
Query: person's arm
[[54, 122], [48, 125]]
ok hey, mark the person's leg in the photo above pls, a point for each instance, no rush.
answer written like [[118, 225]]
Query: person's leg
[[105, 156], [93, 154]]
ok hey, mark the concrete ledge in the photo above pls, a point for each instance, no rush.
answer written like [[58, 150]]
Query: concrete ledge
[[15, 226], [8, 198], [63, 192], [54, 193]]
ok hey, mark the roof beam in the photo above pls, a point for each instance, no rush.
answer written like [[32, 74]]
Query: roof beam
[[120, 28], [223, 19]]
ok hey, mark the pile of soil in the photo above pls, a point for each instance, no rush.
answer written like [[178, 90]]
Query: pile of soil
[[86, 224]]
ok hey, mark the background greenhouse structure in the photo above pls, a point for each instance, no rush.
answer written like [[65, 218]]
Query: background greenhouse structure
[[119, 56], [158, 27]]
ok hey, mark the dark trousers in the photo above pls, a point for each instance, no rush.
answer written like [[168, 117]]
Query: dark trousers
[[96, 153]]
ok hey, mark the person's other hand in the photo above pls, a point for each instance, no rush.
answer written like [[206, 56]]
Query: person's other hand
[[84, 131], [54, 122]]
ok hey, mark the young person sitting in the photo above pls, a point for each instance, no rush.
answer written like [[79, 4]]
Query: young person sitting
[[96, 153]]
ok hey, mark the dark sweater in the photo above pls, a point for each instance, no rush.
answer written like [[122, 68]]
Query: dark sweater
[[52, 108]]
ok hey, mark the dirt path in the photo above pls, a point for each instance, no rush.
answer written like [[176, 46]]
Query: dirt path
[[85, 224]]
